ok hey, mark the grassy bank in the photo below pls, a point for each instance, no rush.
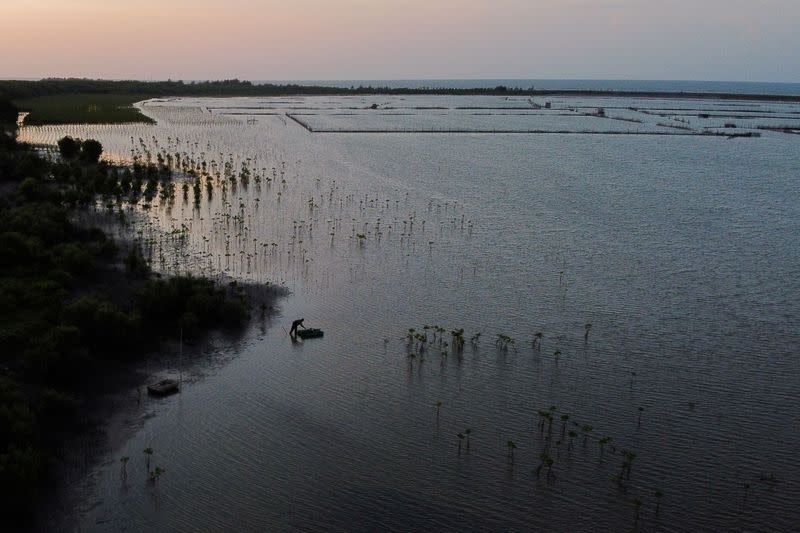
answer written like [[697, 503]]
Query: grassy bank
[[82, 108], [74, 304]]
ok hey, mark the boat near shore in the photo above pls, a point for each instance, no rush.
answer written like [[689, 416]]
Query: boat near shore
[[165, 387], [310, 333], [168, 386]]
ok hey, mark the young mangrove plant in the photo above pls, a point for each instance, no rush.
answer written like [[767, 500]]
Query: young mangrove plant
[[586, 430], [602, 442], [155, 474], [550, 474], [503, 342], [148, 452], [457, 340], [537, 340], [637, 504], [124, 467], [572, 434], [564, 420], [544, 457], [627, 461], [475, 341], [510, 447], [542, 418]]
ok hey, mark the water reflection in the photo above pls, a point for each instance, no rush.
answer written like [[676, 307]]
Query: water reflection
[[689, 363]]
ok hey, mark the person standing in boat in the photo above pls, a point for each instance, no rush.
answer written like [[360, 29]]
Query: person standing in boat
[[295, 324]]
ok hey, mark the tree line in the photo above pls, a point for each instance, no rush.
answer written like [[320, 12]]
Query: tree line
[[18, 89]]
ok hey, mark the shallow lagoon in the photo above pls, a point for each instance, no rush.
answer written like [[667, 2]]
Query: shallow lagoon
[[681, 251]]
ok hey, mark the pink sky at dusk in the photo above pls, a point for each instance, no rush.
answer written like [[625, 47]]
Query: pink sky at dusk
[[398, 39]]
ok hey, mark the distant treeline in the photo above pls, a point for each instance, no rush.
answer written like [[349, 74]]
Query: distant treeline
[[18, 89]]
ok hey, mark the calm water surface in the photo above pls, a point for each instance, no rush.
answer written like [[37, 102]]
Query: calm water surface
[[680, 251]]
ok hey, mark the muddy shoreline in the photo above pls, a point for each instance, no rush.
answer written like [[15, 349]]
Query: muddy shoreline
[[118, 405]]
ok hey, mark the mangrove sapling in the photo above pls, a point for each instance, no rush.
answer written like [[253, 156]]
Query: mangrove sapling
[[511, 446], [467, 432], [550, 418], [148, 452], [542, 417], [564, 420], [572, 434], [639, 423], [155, 474], [457, 340], [602, 442], [631, 456], [637, 504], [504, 341], [627, 461], [550, 474], [658, 494], [460, 441], [475, 341], [537, 340], [438, 408], [124, 467], [587, 327], [586, 430], [544, 457]]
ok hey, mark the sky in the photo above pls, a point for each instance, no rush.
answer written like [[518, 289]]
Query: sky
[[729, 40]]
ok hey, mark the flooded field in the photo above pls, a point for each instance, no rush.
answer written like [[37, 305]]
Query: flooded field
[[625, 274]]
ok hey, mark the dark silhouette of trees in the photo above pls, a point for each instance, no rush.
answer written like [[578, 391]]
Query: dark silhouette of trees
[[91, 151], [67, 311], [8, 112], [88, 150], [68, 147]]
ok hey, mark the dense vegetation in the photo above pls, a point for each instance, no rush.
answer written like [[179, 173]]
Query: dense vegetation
[[82, 108], [73, 302], [15, 89]]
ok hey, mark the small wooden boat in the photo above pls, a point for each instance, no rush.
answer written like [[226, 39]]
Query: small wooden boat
[[163, 387], [309, 333]]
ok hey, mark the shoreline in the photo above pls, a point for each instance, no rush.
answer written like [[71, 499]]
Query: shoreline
[[114, 414], [105, 331]]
